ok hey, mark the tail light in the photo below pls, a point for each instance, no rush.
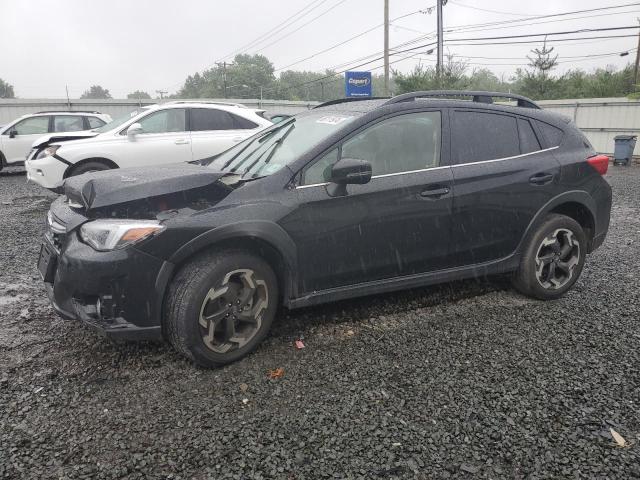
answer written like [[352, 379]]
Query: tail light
[[600, 163]]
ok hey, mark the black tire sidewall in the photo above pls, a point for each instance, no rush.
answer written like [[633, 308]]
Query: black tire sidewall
[[212, 276], [526, 280]]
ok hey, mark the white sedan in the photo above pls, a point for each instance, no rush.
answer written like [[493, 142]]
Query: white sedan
[[161, 134]]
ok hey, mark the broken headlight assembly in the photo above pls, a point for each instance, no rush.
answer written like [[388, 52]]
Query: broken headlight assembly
[[48, 152], [106, 235]]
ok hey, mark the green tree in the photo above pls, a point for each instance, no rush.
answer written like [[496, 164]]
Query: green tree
[[96, 92], [243, 78], [453, 77], [139, 94], [6, 90]]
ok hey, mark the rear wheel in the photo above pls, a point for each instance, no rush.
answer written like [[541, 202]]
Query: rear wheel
[[553, 258], [89, 167], [220, 306]]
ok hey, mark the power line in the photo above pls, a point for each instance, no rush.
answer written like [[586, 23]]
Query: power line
[[548, 40], [562, 14], [568, 32], [358, 35], [491, 11], [301, 26], [278, 28]]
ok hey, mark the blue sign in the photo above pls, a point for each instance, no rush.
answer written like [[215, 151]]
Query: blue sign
[[357, 84]]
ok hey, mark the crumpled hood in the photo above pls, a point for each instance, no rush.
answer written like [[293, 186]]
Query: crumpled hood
[[121, 186], [46, 140]]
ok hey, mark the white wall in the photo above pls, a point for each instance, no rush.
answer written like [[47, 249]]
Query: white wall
[[11, 109]]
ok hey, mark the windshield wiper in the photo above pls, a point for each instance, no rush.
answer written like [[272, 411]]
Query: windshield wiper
[[272, 149], [262, 138]]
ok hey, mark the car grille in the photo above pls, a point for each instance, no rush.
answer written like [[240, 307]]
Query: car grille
[[56, 231]]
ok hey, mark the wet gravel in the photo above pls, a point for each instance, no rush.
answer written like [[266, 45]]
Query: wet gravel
[[465, 380]]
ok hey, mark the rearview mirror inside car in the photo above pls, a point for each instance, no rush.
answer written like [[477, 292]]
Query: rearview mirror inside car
[[348, 171], [134, 129]]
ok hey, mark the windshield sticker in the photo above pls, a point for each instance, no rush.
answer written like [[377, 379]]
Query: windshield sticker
[[332, 120]]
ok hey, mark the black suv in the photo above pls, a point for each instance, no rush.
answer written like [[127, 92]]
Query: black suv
[[350, 198]]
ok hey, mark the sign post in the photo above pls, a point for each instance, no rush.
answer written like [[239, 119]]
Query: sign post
[[357, 84]]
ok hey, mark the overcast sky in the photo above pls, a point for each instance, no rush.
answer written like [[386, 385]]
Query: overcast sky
[[150, 45]]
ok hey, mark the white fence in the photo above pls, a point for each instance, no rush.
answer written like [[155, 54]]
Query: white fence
[[600, 119]]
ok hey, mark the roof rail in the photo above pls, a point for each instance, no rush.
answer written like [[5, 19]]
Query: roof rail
[[347, 100], [229, 104], [478, 96], [69, 111]]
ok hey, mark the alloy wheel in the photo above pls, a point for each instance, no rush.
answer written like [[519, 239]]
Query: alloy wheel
[[557, 258], [231, 313]]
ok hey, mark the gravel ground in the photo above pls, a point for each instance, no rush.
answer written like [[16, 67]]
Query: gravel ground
[[465, 380]]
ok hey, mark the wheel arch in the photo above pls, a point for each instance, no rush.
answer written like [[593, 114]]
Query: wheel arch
[[578, 205], [110, 163], [264, 239]]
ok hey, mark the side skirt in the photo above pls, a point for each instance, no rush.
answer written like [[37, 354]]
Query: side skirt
[[505, 265]]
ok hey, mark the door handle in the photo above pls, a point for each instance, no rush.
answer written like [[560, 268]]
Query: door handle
[[435, 193], [237, 139], [181, 141], [541, 178]]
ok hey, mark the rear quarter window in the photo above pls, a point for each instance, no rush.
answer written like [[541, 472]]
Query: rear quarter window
[[552, 135]]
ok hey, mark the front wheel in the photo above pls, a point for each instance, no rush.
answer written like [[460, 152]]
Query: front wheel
[[553, 258], [220, 306]]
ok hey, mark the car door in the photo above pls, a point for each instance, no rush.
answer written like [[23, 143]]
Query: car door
[[502, 177], [25, 133], [213, 131], [398, 224], [164, 139]]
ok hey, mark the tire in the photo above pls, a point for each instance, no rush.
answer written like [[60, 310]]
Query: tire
[[553, 258], [205, 303], [88, 167]]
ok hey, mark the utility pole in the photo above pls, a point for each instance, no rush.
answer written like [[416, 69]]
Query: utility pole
[[322, 90], [440, 3], [66, 87], [386, 48], [635, 69], [224, 76], [162, 93]]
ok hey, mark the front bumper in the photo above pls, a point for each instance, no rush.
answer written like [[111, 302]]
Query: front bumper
[[118, 294], [46, 172]]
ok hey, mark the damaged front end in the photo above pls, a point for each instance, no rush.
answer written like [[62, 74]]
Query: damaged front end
[[91, 262]]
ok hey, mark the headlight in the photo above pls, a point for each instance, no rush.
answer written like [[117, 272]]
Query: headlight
[[105, 235], [48, 152]]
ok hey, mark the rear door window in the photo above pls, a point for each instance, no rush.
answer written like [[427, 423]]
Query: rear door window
[[480, 136], [68, 123], [203, 119]]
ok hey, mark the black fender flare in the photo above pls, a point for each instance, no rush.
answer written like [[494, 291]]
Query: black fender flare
[[575, 196], [262, 230]]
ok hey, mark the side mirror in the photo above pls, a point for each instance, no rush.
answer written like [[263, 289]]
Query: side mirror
[[13, 133], [348, 171], [134, 129]]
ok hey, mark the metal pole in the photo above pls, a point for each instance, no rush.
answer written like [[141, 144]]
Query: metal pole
[[66, 87], [440, 53], [386, 48], [260, 96], [635, 69]]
